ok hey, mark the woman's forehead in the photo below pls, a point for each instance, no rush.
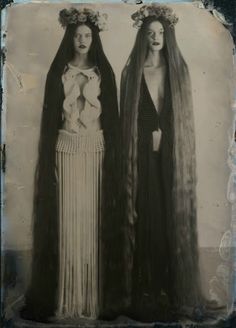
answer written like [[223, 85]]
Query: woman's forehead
[[155, 26], [82, 29]]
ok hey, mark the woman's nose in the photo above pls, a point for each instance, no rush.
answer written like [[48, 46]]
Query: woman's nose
[[154, 36], [81, 38]]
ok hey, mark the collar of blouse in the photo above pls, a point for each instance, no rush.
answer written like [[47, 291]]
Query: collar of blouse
[[90, 73]]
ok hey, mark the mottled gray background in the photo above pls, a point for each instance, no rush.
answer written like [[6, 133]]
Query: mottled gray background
[[33, 37]]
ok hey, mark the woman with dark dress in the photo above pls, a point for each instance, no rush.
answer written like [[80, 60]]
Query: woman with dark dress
[[75, 177], [158, 162]]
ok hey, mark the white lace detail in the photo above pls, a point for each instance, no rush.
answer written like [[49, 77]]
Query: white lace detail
[[88, 117]]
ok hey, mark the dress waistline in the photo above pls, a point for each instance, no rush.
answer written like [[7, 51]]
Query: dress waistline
[[91, 141]]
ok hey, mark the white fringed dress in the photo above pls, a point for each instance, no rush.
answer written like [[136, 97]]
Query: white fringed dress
[[79, 158]]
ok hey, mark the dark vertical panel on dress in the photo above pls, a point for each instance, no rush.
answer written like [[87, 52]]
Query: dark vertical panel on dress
[[151, 275]]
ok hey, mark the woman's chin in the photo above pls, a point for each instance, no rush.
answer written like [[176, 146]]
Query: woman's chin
[[156, 48], [82, 51]]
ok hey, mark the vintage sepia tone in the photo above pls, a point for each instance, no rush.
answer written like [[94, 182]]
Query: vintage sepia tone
[[207, 48]]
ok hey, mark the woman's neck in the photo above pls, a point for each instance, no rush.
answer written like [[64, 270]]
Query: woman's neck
[[154, 59], [81, 61]]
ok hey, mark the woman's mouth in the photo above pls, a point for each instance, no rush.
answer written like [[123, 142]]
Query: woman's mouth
[[156, 43], [82, 46]]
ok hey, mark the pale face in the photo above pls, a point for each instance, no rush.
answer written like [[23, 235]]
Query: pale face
[[82, 39], [155, 36]]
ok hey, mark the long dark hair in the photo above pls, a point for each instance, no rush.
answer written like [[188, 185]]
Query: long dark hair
[[182, 231], [41, 298]]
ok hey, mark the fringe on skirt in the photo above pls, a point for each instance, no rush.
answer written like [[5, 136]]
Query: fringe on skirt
[[79, 161]]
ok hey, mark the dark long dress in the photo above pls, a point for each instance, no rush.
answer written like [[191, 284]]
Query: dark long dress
[[150, 272]]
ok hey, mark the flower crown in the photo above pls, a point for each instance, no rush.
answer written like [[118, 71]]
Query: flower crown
[[75, 16], [156, 10]]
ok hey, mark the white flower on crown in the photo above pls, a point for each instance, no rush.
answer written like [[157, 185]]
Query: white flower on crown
[[74, 16], [156, 10]]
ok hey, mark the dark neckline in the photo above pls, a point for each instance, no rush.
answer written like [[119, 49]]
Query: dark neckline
[[149, 95]]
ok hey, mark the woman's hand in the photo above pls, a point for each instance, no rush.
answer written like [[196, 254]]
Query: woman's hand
[[156, 140]]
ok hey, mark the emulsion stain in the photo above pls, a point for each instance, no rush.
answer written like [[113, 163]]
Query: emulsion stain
[[5, 3], [134, 2]]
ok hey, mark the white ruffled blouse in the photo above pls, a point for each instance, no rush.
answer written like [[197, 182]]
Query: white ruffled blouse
[[81, 85]]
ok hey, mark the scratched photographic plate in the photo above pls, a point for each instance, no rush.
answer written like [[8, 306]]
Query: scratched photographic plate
[[31, 35]]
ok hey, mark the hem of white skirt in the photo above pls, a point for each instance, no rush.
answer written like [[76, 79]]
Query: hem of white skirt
[[59, 317]]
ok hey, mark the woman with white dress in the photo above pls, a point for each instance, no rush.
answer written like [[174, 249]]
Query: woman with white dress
[[76, 170]]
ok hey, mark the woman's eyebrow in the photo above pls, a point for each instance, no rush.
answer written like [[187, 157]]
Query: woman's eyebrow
[[87, 33], [160, 30]]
